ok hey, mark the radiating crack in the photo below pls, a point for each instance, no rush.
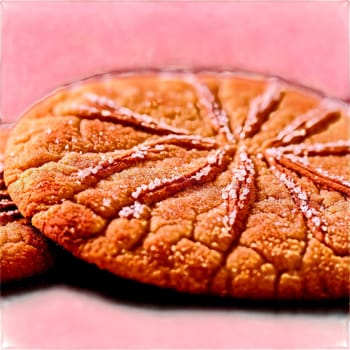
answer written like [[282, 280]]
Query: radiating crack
[[260, 109]]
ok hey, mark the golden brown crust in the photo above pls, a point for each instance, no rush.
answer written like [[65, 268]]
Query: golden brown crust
[[23, 250], [204, 183]]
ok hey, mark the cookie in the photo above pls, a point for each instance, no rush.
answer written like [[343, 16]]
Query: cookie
[[23, 250], [219, 183]]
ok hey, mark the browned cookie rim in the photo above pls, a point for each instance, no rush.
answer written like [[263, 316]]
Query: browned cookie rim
[[135, 71]]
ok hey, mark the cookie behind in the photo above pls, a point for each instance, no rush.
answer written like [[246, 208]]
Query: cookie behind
[[23, 250]]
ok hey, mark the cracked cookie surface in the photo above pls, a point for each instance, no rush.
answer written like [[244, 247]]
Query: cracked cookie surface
[[207, 183], [23, 250]]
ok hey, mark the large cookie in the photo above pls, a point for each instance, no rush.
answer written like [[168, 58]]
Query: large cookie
[[207, 183], [23, 250]]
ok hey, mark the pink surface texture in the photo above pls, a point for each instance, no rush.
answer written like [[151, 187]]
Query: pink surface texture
[[69, 319], [45, 44]]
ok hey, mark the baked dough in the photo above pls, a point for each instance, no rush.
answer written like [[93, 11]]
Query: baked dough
[[221, 183]]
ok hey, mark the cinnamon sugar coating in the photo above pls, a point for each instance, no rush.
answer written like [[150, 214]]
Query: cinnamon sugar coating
[[207, 183], [23, 250]]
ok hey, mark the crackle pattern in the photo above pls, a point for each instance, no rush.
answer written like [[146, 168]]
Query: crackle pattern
[[23, 250], [206, 183]]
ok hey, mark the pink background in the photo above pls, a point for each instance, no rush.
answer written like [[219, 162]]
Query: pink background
[[48, 43]]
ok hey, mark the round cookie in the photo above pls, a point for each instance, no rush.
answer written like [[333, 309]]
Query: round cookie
[[222, 183], [23, 250]]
